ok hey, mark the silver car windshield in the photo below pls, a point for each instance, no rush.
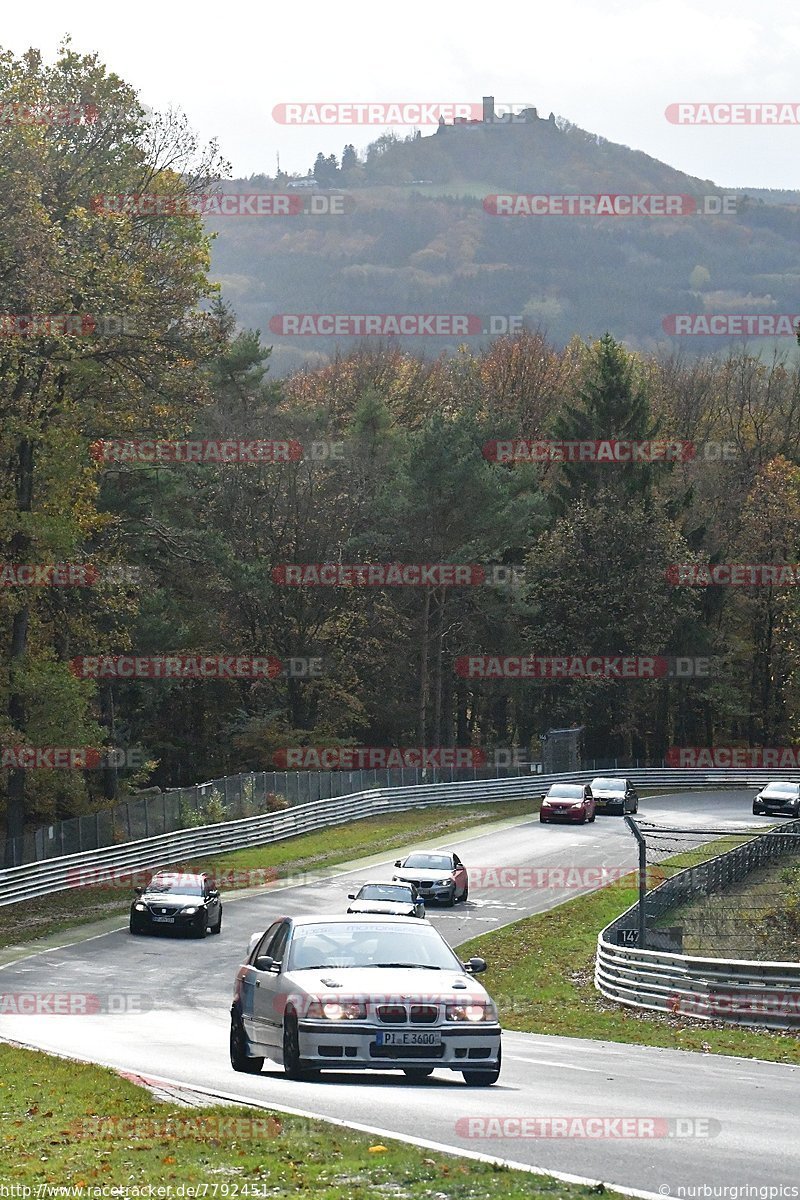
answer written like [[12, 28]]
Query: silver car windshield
[[369, 945], [385, 891]]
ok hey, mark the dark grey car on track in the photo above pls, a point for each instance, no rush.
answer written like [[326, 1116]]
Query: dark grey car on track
[[614, 795], [177, 901], [779, 797]]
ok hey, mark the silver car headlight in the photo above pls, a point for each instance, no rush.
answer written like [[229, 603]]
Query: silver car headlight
[[444, 882], [335, 1010], [140, 907], [472, 1014]]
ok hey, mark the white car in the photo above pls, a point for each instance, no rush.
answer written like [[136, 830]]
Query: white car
[[395, 899], [343, 992]]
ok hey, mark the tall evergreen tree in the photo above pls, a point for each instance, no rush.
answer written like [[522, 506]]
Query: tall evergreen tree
[[612, 406]]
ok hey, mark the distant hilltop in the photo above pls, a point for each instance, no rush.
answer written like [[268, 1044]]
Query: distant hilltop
[[504, 114]]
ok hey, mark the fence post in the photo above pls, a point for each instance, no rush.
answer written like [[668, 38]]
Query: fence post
[[642, 879]]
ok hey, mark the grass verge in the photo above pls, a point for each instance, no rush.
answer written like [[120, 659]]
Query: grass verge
[[47, 915], [65, 1123], [541, 974]]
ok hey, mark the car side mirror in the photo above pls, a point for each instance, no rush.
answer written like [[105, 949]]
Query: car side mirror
[[399, 862], [475, 965], [265, 962], [213, 894], [351, 895], [139, 890]]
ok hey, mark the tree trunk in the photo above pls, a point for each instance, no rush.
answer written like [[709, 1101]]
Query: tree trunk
[[20, 546], [110, 777], [422, 715], [437, 699]]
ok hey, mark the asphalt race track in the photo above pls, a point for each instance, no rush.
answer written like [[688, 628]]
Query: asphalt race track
[[165, 1002]]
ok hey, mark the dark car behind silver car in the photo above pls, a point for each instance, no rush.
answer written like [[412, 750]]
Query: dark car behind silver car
[[177, 901]]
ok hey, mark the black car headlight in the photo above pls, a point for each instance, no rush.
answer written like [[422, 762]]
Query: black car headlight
[[190, 911], [140, 907], [472, 1014], [338, 1010]]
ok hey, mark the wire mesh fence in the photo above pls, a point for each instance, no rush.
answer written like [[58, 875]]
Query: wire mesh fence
[[731, 893], [228, 799], [234, 797]]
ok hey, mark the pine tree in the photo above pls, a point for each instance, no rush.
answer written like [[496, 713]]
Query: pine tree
[[612, 406]]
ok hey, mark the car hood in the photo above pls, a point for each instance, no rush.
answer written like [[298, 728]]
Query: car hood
[[769, 793], [563, 800], [396, 908], [175, 899], [608, 794], [422, 873], [389, 983]]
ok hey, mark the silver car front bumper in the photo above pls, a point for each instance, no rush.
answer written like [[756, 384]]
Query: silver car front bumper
[[356, 1045]]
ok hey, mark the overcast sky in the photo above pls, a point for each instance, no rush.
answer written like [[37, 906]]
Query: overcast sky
[[612, 67]]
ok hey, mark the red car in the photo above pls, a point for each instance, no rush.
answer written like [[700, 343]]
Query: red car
[[568, 802], [436, 874]]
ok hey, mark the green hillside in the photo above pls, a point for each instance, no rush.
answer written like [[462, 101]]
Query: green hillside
[[431, 247]]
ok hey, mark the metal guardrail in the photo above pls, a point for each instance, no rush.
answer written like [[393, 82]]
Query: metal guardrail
[[735, 991], [67, 871], [239, 796], [233, 796], [111, 862]]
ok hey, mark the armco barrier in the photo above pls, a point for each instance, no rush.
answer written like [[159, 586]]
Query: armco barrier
[[736, 991], [247, 795], [58, 874]]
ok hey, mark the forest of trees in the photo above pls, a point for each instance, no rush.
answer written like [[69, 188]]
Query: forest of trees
[[408, 481]]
